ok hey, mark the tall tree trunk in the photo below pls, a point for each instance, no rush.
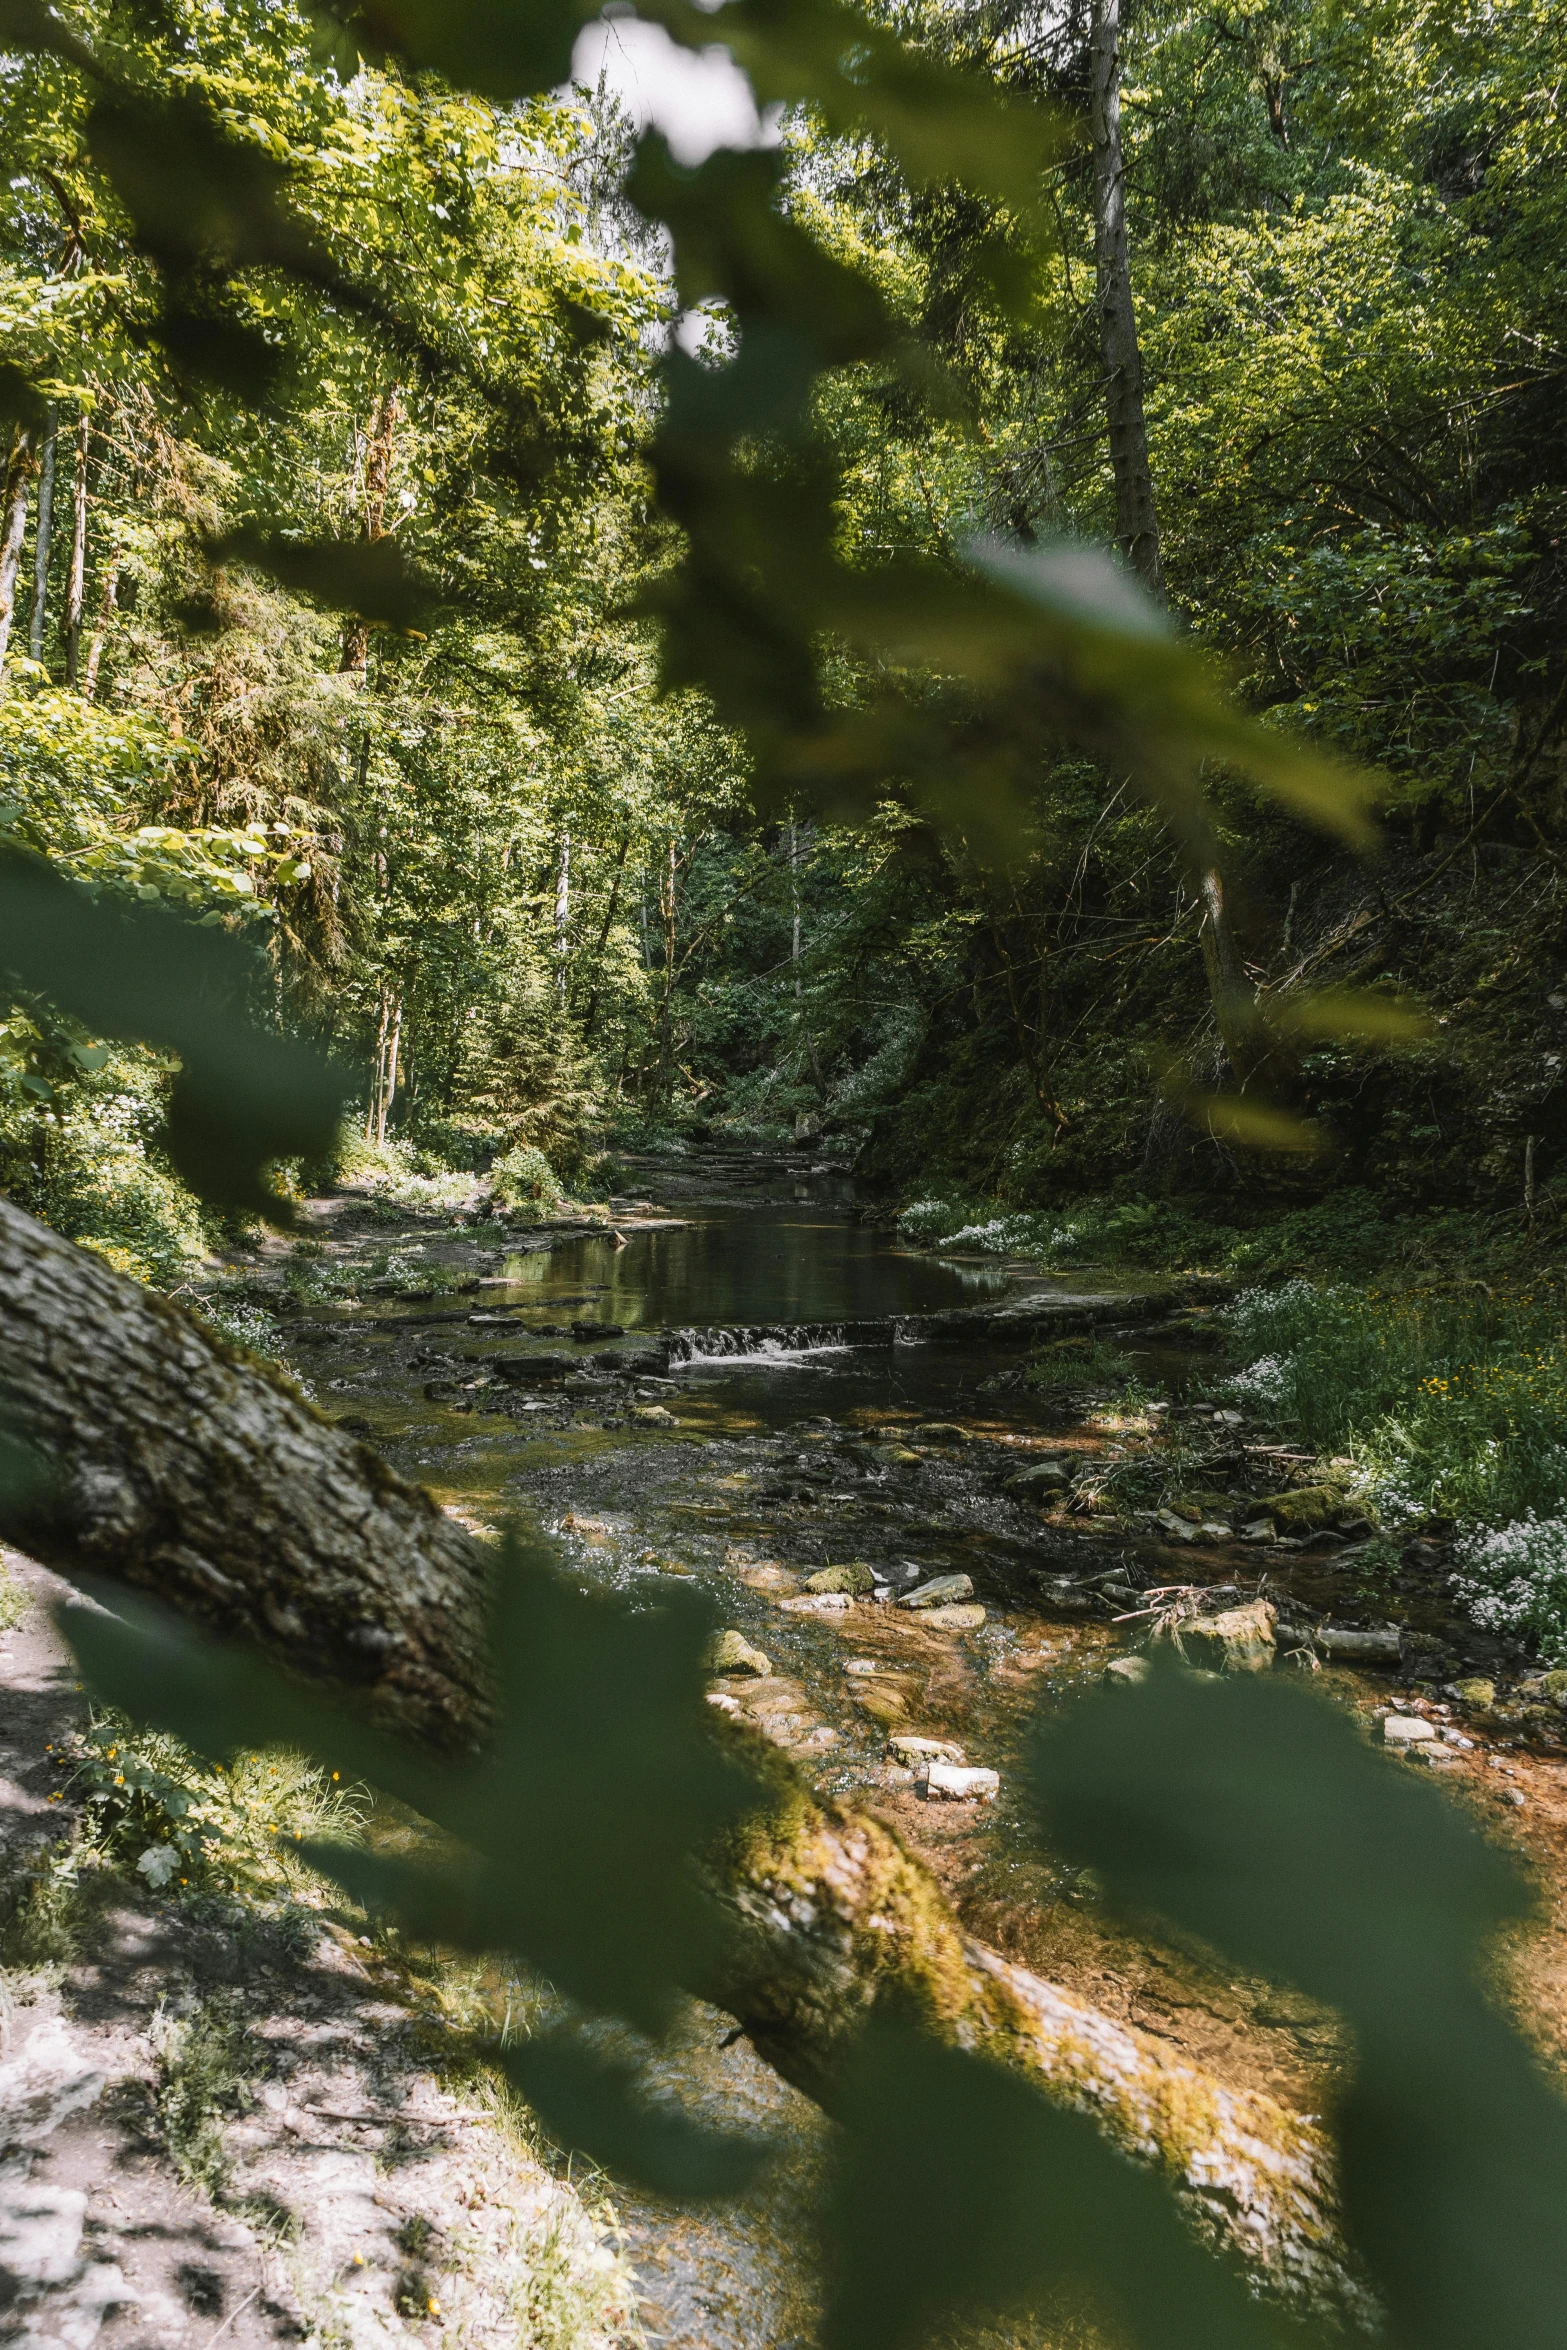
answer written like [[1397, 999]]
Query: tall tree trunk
[[668, 906], [1136, 518], [76, 582], [590, 1022], [1247, 1047], [42, 535], [100, 635], [379, 443], [185, 1469], [562, 914], [13, 528]]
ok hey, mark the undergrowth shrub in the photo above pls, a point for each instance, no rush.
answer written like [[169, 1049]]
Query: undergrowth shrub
[[400, 1173], [1450, 1403], [1513, 1579], [153, 1806], [91, 1166], [526, 1185]]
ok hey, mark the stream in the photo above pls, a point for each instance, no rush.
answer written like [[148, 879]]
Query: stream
[[741, 1384]]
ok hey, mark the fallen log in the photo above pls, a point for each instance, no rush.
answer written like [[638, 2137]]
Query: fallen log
[[186, 1468]]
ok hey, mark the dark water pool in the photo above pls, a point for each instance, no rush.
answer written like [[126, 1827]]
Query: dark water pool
[[767, 1263]]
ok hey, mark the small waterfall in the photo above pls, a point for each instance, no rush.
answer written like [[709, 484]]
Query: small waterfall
[[773, 1342]]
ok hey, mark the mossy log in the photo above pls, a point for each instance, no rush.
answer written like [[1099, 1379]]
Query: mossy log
[[187, 1469]]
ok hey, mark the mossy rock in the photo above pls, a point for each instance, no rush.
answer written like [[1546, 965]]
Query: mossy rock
[[1239, 1641], [1556, 1687], [884, 1701], [855, 1578], [1482, 1694], [1306, 1508], [731, 1652]]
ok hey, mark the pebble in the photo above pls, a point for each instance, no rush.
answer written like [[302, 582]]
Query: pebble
[[1406, 1730], [951, 1783], [731, 1652], [910, 1748], [939, 1590], [954, 1619]]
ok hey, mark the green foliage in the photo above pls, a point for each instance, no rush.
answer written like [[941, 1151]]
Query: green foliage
[[14, 1602], [1451, 1402], [526, 1185], [204, 2069]]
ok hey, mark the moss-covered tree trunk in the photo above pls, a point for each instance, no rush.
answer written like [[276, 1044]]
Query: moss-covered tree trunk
[[187, 1470]]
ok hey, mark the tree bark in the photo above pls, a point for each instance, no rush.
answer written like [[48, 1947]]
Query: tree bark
[[379, 443], [41, 538], [187, 1470], [1136, 518], [76, 582], [13, 528]]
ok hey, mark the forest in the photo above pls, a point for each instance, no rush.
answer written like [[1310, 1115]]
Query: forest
[[783, 1143]]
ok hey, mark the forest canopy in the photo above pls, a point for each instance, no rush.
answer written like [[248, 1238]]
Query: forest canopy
[[364, 586]]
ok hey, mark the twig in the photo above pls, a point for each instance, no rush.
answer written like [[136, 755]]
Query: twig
[[239, 2311]]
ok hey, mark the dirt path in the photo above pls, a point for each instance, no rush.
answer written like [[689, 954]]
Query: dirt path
[[344, 2180]]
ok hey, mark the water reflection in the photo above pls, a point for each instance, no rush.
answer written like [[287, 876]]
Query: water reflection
[[804, 1263]]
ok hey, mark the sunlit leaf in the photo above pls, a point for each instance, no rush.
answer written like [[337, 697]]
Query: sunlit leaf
[[1254, 1125], [1351, 1013]]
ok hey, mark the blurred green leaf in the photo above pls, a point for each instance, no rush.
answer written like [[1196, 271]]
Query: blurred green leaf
[[1252, 1123], [575, 1830], [369, 577], [198, 197], [25, 1477], [504, 49], [1257, 1818], [1351, 1013], [242, 1096], [596, 2107], [20, 403], [205, 347], [959, 2190]]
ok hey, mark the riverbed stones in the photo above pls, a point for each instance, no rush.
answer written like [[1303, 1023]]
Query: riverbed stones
[[942, 1432], [1350, 1645], [1241, 1640], [817, 1603], [884, 1697], [1041, 1482], [1406, 1730], [653, 1415], [966, 1617], [918, 1752], [1125, 1672], [731, 1652], [1479, 1694], [1307, 1509], [947, 1782], [940, 1591], [854, 1577]]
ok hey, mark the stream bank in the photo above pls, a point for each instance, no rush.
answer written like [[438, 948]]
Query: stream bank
[[760, 1393]]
